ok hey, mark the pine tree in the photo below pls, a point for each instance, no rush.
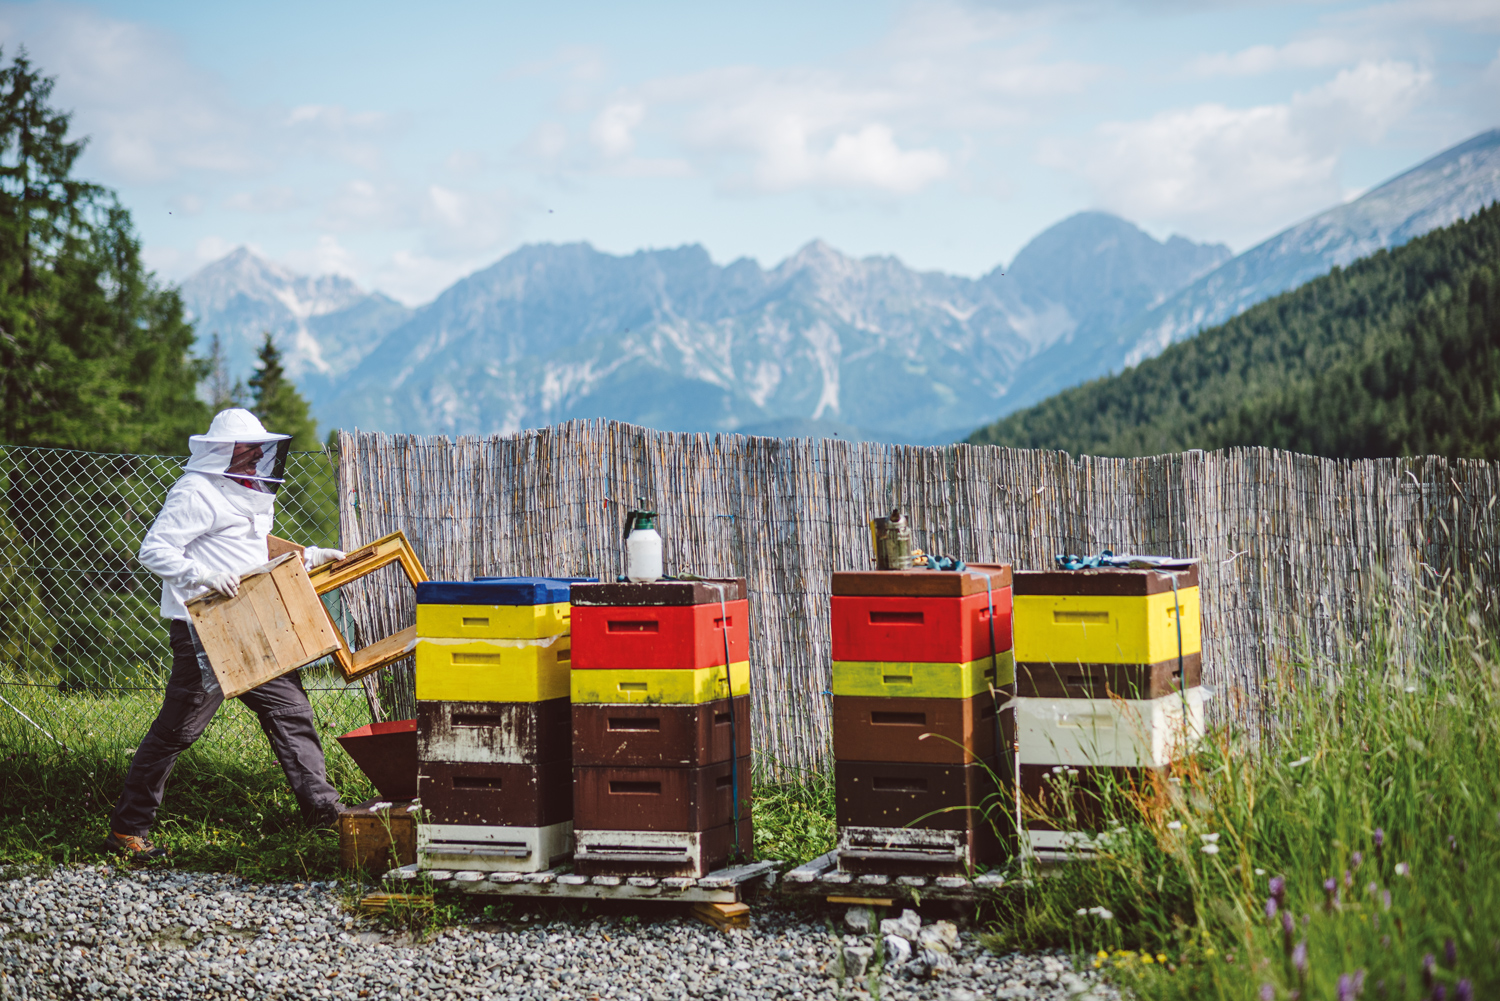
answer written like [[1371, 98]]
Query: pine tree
[[93, 353], [277, 403]]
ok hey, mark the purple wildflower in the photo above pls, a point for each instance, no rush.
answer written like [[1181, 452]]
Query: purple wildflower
[[1278, 889], [1330, 893], [1359, 982], [1385, 899], [1439, 993], [1379, 838], [1270, 907], [1380, 989], [1371, 887], [1450, 954], [1464, 991], [1428, 962], [1299, 958], [1288, 928], [1346, 987], [1356, 859], [1385, 943], [1267, 992], [1348, 880], [1452, 843]]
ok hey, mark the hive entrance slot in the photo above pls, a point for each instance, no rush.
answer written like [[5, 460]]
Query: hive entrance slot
[[723, 781], [899, 785], [632, 723], [897, 679], [475, 621], [475, 659], [898, 719], [634, 788], [476, 719], [721, 719], [634, 626], [475, 782], [1076, 617], [896, 618]]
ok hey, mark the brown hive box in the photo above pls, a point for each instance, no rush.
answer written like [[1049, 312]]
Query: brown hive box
[[523, 733], [680, 736], [1102, 681], [921, 730], [661, 853], [659, 799], [377, 841], [496, 794], [923, 583], [661, 592], [895, 794]]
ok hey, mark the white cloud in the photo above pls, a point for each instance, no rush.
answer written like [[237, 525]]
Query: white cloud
[[1307, 53], [613, 128], [1237, 173]]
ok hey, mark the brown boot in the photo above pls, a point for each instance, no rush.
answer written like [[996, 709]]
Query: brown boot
[[134, 848]]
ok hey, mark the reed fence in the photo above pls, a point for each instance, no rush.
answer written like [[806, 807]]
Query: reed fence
[[1301, 556]]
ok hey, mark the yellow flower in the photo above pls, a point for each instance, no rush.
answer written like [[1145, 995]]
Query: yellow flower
[[1103, 953], [1161, 958], [1146, 958]]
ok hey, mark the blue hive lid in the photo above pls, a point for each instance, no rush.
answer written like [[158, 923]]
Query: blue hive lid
[[497, 590]]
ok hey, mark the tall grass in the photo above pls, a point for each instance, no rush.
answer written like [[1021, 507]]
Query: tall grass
[[227, 808], [1351, 851]]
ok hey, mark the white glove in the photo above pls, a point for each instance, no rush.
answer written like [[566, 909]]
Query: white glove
[[223, 581], [316, 556]]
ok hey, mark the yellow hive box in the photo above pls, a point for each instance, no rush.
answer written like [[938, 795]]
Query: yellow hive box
[[1104, 629], [665, 686], [484, 622], [494, 670], [922, 681]]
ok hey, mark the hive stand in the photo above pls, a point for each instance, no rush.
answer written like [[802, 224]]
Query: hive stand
[[821, 879], [724, 886]]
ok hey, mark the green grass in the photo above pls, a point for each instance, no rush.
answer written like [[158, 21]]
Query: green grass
[[1413, 754], [227, 806], [794, 819]]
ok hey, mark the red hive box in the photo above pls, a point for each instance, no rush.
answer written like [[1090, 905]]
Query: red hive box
[[681, 736], [920, 630], [659, 636], [659, 799]]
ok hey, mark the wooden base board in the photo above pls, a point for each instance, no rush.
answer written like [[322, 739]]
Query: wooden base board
[[380, 902], [722, 916]]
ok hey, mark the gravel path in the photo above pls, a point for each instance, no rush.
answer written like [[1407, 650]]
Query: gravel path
[[98, 931]]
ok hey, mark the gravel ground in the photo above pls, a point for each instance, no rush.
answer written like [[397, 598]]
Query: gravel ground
[[98, 931]]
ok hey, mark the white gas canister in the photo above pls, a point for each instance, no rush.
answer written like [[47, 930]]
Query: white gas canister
[[642, 547]]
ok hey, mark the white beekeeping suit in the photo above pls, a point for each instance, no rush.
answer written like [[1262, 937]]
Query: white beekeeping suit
[[214, 523]]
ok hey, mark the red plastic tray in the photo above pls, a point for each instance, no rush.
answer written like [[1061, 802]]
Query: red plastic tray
[[918, 630], [659, 636]]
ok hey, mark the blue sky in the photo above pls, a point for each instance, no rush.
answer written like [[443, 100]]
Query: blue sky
[[408, 145]]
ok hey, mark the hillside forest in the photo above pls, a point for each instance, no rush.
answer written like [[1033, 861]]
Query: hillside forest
[[1398, 354]]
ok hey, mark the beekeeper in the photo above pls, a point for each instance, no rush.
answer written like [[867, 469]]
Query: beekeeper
[[211, 529]]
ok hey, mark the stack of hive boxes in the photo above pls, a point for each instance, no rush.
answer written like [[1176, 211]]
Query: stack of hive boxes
[[661, 734], [494, 731], [1108, 684], [922, 670]]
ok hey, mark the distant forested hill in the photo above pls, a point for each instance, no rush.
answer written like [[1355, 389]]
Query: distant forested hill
[[1398, 354]]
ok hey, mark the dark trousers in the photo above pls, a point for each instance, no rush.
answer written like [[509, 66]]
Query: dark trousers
[[285, 716]]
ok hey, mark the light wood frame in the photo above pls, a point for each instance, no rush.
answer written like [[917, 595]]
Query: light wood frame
[[384, 551]]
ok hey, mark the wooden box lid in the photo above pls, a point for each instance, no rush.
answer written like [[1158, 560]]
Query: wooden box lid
[[922, 583]]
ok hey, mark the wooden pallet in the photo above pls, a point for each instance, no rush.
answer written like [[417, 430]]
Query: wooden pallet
[[725, 886], [821, 879]]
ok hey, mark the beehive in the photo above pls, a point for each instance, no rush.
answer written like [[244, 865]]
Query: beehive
[[1109, 674], [922, 671], [661, 731], [494, 727]]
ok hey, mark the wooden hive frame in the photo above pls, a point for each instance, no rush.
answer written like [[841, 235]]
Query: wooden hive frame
[[388, 549]]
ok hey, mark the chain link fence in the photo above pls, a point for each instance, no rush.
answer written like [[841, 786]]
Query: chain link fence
[[83, 648]]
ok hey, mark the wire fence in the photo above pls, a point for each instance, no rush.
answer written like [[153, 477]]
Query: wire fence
[[83, 647]]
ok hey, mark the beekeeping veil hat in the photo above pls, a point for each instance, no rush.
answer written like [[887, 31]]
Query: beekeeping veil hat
[[214, 452]]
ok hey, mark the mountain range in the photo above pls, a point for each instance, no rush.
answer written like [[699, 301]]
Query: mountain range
[[822, 343]]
